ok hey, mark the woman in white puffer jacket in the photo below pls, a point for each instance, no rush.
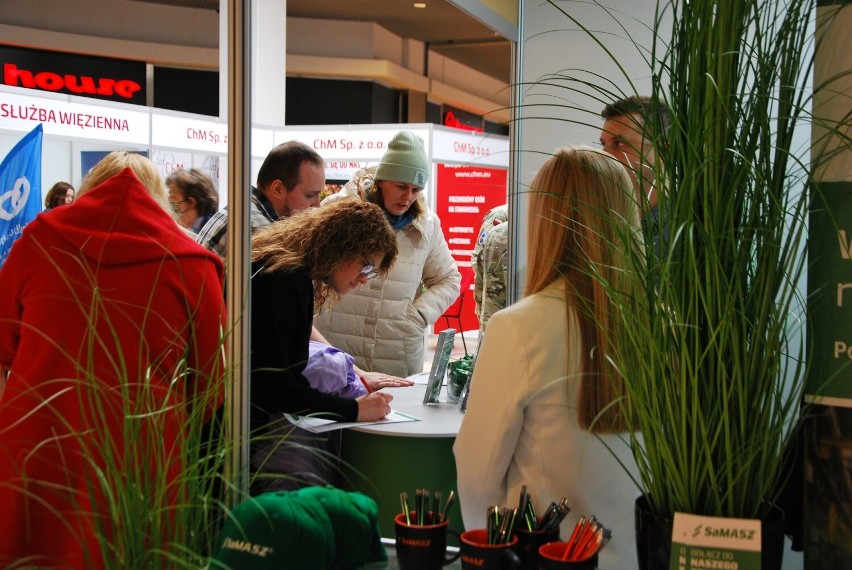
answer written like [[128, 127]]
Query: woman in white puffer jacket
[[382, 324]]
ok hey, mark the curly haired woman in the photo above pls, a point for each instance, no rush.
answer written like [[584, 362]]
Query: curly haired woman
[[299, 263]]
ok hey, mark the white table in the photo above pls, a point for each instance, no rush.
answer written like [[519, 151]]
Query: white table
[[436, 420]]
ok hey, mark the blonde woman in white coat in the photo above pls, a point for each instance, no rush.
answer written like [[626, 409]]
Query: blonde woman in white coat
[[382, 324], [539, 412]]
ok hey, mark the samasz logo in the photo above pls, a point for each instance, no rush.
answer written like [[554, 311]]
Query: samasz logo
[[733, 533], [247, 547]]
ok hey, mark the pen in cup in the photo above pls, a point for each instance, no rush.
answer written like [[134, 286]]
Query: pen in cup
[[587, 539], [403, 499], [418, 505], [436, 504], [530, 517], [493, 523], [522, 508], [507, 524], [447, 506], [555, 515]]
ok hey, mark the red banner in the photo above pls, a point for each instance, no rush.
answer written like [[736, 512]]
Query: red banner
[[464, 196]]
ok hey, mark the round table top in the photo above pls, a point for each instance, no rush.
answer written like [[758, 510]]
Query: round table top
[[436, 420]]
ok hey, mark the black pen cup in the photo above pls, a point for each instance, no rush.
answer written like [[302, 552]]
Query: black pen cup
[[421, 547], [529, 542], [550, 558], [477, 554]]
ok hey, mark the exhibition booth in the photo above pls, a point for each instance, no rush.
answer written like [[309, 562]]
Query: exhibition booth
[[469, 169]]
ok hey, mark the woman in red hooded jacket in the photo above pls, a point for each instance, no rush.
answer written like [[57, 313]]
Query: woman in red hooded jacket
[[110, 327]]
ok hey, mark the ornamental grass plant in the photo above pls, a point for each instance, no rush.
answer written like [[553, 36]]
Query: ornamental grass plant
[[145, 442], [152, 447], [709, 338]]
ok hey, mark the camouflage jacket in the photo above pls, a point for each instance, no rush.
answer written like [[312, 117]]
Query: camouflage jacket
[[492, 270]]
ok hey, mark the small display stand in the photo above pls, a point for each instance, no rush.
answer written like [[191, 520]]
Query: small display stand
[[446, 338]]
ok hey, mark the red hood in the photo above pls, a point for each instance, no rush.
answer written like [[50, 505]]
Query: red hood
[[119, 223]]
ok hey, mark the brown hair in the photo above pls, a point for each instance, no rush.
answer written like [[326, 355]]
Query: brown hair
[[579, 198], [195, 183], [642, 106], [56, 195], [321, 239], [284, 162]]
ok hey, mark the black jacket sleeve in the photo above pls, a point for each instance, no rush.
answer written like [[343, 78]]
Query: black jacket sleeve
[[281, 321]]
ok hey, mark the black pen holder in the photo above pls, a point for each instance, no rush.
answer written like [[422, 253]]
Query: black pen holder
[[422, 547], [529, 542]]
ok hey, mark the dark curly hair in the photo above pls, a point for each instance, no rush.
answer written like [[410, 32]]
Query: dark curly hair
[[322, 239]]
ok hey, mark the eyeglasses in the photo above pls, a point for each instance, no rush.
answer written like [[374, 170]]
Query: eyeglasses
[[176, 205], [368, 271]]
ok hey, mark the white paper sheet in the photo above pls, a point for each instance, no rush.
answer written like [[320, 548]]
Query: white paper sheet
[[419, 378], [320, 425], [423, 378]]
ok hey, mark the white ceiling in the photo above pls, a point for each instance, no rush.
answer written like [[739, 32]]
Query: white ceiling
[[449, 31]]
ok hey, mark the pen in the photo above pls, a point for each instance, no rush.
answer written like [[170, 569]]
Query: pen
[[530, 516], [522, 506], [446, 513], [586, 540], [556, 517], [561, 512], [418, 502], [522, 499], [503, 530], [586, 535], [416, 505], [511, 515], [493, 517], [436, 504], [425, 505], [403, 498], [574, 535], [547, 516], [593, 546]]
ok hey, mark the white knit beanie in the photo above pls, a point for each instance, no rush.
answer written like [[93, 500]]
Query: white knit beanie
[[404, 161]]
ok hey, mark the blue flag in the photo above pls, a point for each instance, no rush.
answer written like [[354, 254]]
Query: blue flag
[[20, 189]]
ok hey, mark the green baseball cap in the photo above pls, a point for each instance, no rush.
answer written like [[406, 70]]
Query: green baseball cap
[[314, 527]]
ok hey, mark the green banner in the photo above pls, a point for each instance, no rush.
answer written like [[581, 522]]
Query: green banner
[[830, 294]]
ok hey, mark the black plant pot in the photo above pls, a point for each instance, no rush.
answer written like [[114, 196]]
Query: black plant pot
[[654, 538]]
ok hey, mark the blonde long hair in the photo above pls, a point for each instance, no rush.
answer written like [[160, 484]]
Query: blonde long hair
[[321, 239], [145, 170], [578, 200]]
